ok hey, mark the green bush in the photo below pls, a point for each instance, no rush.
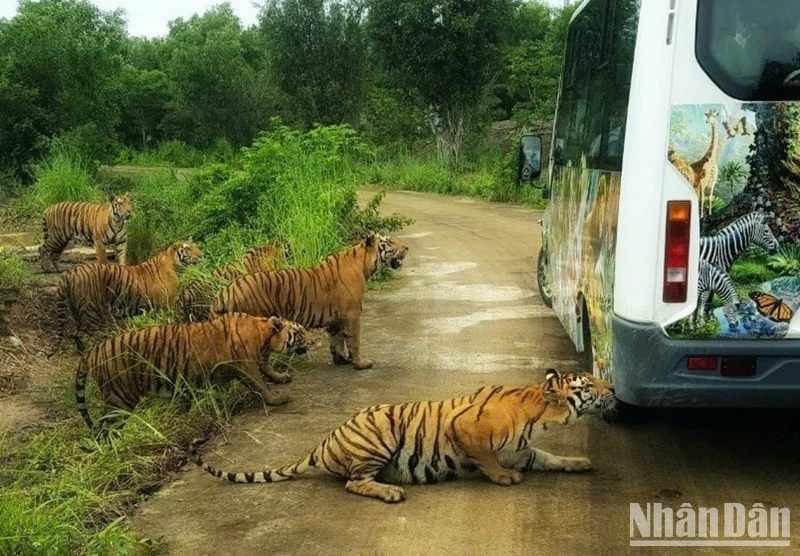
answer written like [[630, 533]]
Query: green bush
[[749, 272], [13, 272], [786, 261], [93, 145], [162, 214], [176, 154], [62, 176]]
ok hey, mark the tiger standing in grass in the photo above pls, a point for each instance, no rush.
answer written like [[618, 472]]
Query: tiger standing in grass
[[154, 360], [329, 295], [427, 442], [95, 293], [99, 224], [196, 296]]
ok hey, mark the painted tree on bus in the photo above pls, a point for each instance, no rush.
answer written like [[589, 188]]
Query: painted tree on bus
[[773, 186]]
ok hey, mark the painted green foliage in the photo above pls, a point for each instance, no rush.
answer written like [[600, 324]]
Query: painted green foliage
[[749, 284]]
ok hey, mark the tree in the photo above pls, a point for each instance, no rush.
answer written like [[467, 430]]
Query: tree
[[732, 173], [534, 64], [60, 61], [212, 81], [146, 96], [445, 50], [317, 51]]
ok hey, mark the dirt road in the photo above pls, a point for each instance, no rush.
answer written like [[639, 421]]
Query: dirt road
[[464, 313]]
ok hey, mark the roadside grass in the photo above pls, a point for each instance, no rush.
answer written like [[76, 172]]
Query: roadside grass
[[65, 493], [62, 176], [486, 178]]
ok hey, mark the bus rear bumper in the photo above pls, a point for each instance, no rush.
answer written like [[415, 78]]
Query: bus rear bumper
[[650, 369]]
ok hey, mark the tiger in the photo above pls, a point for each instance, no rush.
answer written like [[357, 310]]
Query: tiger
[[153, 360], [94, 292], [489, 431], [329, 295], [99, 224], [195, 297]]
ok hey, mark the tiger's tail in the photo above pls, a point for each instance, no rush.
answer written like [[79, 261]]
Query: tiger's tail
[[266, 476], [80, 392]]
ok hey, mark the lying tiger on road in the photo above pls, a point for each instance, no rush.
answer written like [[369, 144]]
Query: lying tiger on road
[[426, 442], [152, 361], [329, 295]]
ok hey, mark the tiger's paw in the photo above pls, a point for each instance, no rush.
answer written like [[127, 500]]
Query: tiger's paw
[[577, 465], [392, 494], [507, 477], [363, 364], [280, 378], [273, 398], [339, 359]]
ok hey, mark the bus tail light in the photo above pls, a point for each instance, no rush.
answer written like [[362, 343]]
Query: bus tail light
[[676, 252]]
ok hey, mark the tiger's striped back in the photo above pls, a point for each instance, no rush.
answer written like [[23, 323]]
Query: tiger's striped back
[[95, 293], [103, 224], [154, 360], [195, 297]]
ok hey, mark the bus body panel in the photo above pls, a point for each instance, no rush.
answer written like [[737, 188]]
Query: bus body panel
[[614, 263]]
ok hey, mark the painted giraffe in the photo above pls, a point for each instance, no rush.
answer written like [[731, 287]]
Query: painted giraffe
[[706, 170]]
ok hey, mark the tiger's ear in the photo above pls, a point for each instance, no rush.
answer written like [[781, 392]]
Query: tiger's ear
[[370, 239], [111, 198], [277, 323], [552, 390]]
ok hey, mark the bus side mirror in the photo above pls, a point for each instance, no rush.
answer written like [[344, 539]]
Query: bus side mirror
[[529, 159]]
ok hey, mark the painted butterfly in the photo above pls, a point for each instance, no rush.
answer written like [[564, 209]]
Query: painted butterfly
[[772, 307]]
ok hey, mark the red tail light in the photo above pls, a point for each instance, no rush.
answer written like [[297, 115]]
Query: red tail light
[[702, 364], [676, 252]]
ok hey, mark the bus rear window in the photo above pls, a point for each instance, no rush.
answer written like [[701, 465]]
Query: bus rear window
[[751, 48]]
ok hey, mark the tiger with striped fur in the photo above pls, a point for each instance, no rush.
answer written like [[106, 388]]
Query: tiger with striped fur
[[95, 293], [153, 360], [196, 296], [329, 295], [99, 224], [427, 442]]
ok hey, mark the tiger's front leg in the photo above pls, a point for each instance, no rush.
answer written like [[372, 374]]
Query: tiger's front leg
[[352, 331], [278, 377], [338, 347], [100, 250], [121, 253], [475, 439], [533, 459], [252, 372]]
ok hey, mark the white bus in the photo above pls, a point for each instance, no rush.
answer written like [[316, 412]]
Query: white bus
[[671, 244]]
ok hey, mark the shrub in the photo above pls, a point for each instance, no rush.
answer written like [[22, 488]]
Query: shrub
[[786, 261], [93, 145], [62, 176], [749, 272], [162, 214], [13, 272]]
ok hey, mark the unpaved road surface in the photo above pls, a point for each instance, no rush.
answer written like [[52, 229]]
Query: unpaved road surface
[[463, 313]]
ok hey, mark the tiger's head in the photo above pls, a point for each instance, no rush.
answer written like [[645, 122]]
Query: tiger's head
[[582, 392], [289, 337], [186, 252], [121, 208], [391, 251]]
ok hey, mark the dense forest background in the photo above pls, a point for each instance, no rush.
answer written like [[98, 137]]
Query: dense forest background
[[411, 76]]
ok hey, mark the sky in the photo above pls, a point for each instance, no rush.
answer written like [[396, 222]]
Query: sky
[[149, 18]]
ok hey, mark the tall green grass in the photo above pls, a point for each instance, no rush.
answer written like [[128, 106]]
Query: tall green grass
[[62, 176], [64, 493], [490, 178]]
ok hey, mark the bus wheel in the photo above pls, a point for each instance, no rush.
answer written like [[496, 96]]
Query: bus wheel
[[542, 279]]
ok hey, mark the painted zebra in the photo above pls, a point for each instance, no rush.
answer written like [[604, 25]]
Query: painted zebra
[[723, 248], [712, 280]]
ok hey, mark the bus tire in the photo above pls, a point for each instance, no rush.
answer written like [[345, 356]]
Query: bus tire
[[541, 273]]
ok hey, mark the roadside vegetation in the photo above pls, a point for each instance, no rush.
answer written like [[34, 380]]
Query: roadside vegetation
[[277, 140]]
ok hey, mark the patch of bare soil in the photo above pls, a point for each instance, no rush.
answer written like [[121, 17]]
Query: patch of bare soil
[[26, 373]]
